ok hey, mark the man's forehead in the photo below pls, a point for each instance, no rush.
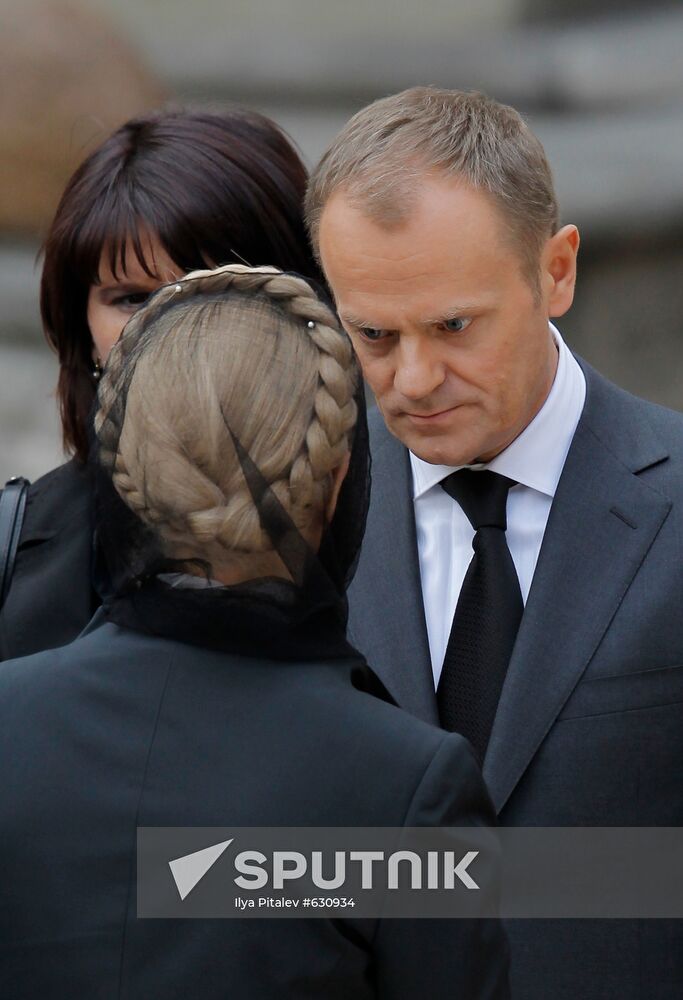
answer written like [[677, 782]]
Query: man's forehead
[[446, 217], [435, 285]]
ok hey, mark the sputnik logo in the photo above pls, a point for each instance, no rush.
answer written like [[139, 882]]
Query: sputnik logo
[[191, 868]]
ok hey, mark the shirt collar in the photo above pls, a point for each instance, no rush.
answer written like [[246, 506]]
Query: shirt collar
[[537, 456]]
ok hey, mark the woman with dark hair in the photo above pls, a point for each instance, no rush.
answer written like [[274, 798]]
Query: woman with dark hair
[[215, 688], [166, 193]]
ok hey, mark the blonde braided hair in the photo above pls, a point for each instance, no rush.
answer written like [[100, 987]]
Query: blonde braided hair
[[246, 351]]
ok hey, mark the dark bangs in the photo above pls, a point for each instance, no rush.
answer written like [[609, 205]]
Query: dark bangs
[[114, 223]]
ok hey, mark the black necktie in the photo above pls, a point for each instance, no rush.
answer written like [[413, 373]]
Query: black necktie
[[487, 615]]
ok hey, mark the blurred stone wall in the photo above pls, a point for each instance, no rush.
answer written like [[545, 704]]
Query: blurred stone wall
[[67, 77], [604, 95]]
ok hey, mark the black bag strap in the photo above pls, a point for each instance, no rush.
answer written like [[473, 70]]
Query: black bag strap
[[12, 506]]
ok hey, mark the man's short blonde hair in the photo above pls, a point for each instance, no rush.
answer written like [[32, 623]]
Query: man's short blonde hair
[[380, 155]]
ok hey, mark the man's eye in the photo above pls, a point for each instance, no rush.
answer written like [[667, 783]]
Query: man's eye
[[457, 324], [372, 334]]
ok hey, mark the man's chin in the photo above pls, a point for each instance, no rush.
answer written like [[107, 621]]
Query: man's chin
[[435, 449]]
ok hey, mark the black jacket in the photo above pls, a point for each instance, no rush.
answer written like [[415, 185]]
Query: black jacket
[[119, 730], [51, 598]]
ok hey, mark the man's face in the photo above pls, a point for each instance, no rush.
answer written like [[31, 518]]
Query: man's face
[[451, 338]]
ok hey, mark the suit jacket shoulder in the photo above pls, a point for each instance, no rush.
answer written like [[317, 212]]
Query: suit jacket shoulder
[[634, 429]]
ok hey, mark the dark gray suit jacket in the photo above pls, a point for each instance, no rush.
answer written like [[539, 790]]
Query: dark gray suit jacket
[[589, 729]]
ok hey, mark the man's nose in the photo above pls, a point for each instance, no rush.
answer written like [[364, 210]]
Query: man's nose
[[419, 369]]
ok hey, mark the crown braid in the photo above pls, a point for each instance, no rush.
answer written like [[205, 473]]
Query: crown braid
[[207, 519]]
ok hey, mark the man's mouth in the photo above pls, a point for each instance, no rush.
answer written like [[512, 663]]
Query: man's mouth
[[427, 418]]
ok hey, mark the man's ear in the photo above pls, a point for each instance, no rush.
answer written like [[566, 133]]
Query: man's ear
[[338, 476], [558, 269]]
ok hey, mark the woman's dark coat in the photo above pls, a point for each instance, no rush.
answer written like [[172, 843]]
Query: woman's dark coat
[[51, 598], [120, 730]]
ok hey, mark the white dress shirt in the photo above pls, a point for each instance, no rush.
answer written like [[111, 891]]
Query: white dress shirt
[[535, 460]]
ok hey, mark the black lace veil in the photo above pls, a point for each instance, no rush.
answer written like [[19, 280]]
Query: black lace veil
[[155, 582]]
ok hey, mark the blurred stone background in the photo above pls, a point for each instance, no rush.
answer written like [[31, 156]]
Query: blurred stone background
[[600, 81]]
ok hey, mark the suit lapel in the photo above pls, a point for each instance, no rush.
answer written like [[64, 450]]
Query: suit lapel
[[387, 585], [602, 522]]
